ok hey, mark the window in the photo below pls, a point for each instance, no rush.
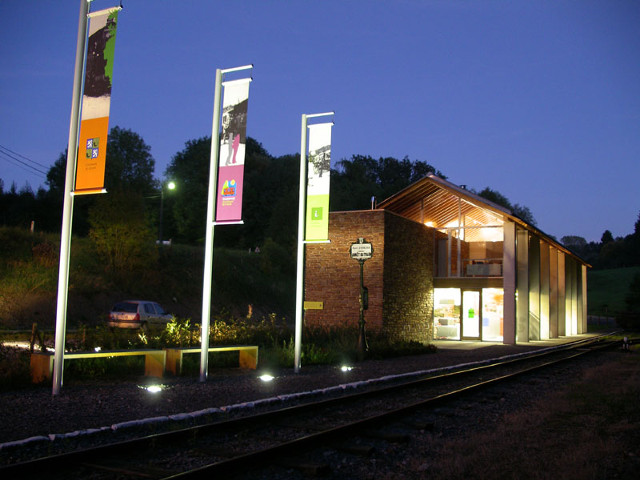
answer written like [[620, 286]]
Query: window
[[446, 314]]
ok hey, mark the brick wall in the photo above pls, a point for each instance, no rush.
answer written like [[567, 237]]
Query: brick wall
[[333, 277], [399, 276]]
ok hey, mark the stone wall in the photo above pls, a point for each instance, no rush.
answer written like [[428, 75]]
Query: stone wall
[[408, 279]]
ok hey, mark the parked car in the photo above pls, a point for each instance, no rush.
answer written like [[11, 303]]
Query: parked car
[[137, 314]]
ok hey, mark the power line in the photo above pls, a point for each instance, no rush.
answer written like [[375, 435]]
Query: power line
[[12, 157], [2, 147]]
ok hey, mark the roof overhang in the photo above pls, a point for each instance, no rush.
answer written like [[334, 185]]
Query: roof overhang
[[438, 202]]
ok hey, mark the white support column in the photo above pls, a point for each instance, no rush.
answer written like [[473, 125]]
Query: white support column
[[562, 289], [534, 288], [544, 290], [522, 285], [509, 285], [583, 320]]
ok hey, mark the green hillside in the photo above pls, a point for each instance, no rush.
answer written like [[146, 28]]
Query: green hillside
[[607, 289]]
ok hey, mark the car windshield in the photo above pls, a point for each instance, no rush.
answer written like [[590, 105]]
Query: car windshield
[[160, 310], [126, 307]]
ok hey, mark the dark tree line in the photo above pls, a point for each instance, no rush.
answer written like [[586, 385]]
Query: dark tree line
[[609, 252], [270, 207]]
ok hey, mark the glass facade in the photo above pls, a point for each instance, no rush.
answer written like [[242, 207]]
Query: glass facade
[[470, 251], [468, 314], [446, 314]]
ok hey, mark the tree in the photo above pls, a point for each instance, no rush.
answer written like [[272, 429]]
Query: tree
[[356, 180], [129, 166], [189, 168], [268, 182], [573, 241], [518, 210], [607, 237], [121, 232], [129, 163]]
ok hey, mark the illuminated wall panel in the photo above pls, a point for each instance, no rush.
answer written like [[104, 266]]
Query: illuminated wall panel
[[534, 288], [562, 320], [553, 292], [544, 290], [509, 273], [522, 285]]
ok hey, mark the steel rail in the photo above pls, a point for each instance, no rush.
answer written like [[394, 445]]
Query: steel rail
[[89, 454], [271, 454]]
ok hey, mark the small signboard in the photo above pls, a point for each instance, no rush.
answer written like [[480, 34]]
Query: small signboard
[[313, 305], [361, 250]]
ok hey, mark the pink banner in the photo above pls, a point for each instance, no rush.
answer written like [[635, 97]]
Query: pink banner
[[232, 151]]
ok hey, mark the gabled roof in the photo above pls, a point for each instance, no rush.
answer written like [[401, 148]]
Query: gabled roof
[[438, 203]]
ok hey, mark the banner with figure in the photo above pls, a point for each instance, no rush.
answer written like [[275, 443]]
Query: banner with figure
[[96, 100], [318, 171], [232, 149]]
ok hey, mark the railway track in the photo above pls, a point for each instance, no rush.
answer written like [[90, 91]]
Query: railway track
[[286, 438]]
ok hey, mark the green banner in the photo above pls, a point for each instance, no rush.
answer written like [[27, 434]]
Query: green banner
[[318, 182]]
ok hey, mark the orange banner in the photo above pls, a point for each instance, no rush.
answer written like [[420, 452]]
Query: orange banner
[[92, 154], [96, 100]]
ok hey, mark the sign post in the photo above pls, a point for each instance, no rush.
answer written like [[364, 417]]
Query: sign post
[[362, 251]]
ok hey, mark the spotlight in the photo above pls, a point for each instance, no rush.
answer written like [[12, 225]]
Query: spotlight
[[346, 368], [266, 377], [152, 388]]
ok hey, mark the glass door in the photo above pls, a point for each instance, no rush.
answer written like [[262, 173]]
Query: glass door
[[471, 314]]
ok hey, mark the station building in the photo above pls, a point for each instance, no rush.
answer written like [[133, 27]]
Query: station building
[[446, 264]]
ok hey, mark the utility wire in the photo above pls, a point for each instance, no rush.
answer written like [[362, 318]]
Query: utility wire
[[22, 156], [15, 159]]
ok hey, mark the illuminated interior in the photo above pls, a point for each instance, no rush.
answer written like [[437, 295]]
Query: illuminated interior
[[446, 313], [492, 314], [457, 314], [483, 254]]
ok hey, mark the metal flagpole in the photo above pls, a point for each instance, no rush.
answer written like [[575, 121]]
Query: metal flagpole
[[67, 212], [302, 204], [301, 227], [211, 209]]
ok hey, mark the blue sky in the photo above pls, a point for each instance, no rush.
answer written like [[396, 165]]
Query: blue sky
[[539, 100]]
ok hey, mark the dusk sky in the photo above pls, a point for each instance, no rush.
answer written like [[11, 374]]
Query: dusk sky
[[539, 100]]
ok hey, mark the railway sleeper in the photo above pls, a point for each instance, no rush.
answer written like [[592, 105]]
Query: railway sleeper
[[360, 449], [304, 466], [129, 470], [387, 435]]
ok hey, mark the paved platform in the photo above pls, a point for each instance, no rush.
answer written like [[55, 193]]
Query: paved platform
[[475, 344]]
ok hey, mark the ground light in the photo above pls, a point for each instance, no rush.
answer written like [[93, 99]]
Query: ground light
[[156, 388], [346, 368], [266, 378]]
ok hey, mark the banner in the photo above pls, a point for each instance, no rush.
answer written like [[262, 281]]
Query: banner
[[318, 171], [232, 149], [96, 100]]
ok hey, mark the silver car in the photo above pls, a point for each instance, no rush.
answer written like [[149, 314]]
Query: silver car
[[137, 314]]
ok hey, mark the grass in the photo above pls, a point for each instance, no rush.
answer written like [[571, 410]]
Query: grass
[[607, 289]]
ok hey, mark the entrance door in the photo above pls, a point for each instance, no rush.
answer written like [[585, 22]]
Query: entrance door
[[471, 314]]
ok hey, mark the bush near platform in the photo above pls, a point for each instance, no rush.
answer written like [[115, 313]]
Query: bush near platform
[[320, 346]]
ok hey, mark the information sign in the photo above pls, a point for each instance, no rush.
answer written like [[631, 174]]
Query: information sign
[[361, 250]]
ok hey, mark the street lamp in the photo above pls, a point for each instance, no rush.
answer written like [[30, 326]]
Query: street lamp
[[171, 186]]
